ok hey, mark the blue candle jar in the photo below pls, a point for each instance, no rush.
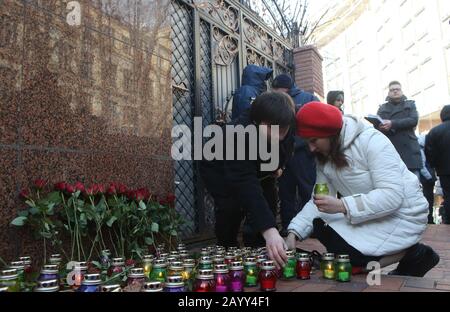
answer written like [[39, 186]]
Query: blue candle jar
[[91, 283], [47, 286], [174, 284], [49, 272]]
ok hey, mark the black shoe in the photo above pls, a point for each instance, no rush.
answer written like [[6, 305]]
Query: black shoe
[[417, 261]]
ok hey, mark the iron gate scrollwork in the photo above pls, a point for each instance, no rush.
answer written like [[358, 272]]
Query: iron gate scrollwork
[[212, 42]]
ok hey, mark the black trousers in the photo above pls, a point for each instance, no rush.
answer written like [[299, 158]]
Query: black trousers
[[229, 214], [334, 243], [428, 192], [445, 184]]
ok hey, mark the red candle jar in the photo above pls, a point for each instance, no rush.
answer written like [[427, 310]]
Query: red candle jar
[[268, 277], [303, 267], [205, 282], [117, 267], [222, 278]]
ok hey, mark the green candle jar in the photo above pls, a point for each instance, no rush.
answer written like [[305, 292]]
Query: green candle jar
[[159, 271], [327, 266], [205, 263], [20, 267], [343, 269], [251, 272], [289, 268]]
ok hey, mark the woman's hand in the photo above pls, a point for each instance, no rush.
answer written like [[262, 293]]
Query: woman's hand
[[276, 247], [291, 241], [330, 205]]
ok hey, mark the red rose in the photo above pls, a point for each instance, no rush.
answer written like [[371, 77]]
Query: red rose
[[90, 191], [111, 189], [122, 189], [79, 187], [40, 183], [163, 202], [130, 263], [70, 189], [99, 188], [60, 186], [25, 193], [171, 198]]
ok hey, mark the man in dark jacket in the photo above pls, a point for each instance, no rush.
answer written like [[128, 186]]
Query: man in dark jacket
[[437, 150], [253, 84], [297, 182], [400, 120], [235, 185]]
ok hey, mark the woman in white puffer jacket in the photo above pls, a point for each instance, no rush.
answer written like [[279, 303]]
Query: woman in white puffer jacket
[[382, 210]]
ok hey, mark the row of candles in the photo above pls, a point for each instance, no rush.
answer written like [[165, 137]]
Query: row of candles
[[217, 270]]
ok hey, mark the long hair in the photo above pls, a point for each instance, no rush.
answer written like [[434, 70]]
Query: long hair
[[336, 156]]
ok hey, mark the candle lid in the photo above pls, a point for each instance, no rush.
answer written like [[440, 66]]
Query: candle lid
[[111, 288], [229, 255], [92, 279], [118, 262], [303, 257], [328, 256], [18, 265], [49, 269], [27, 258], [250, 261], [268, 265], [136, 273], [149, 257], [205, 259], [236, 266], [221, 268], [47, 286], [106, 252], [174, 281], [290, 253], [152, 287], [8, 274], [159, 263], [176, 265], [343, 258], [219, 259], [232, 249], [171, 259], [205, 274], [163, 255], [81, 266]]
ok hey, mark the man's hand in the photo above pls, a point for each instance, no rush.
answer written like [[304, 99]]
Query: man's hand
[[330, 205], [276, 247], [386, 126], [291, 241]]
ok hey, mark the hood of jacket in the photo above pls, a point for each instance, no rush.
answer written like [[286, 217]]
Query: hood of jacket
[[256, 76], [351, 130]]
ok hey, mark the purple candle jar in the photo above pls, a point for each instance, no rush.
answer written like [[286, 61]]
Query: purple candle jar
[[222, 277], [49, 272], [237, 277], [174, 284]]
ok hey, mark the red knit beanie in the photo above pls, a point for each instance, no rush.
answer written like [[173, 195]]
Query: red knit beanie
[[318, 120]]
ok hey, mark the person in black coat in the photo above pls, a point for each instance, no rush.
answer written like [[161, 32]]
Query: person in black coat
[[236, 185], [400, 121], [437, 151], [253, 84], [297, 182]]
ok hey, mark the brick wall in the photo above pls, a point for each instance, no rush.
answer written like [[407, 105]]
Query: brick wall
[[308, 70]]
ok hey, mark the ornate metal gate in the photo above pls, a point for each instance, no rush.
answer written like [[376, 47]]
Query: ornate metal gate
[[213, 41]]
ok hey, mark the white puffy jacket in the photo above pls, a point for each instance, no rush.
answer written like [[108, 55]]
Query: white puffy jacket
[[386, 209]]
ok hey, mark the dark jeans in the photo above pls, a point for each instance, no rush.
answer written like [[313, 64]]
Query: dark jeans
[[296, 185], [336, 244], [428, 192], [445, 184]]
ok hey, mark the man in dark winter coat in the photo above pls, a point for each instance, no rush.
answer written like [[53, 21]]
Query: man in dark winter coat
[[437, 150], [253, 84], [400, 120], [236, 185], [297, 182]]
